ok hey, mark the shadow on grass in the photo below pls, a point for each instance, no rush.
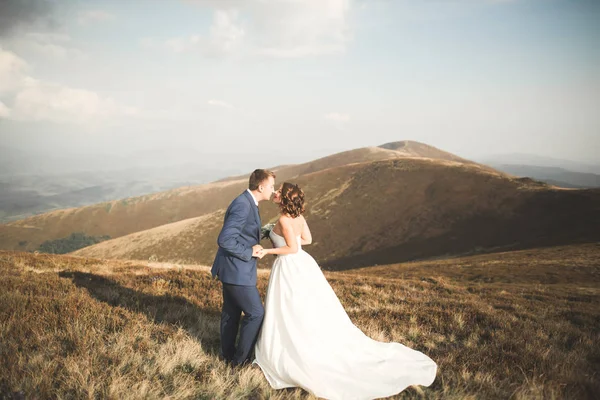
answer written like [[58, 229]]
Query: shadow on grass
[[162, 309]]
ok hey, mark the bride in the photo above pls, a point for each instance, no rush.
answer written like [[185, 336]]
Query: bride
[[307, 339]]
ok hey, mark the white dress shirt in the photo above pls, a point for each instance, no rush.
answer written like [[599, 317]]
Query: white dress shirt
[[253, 198]]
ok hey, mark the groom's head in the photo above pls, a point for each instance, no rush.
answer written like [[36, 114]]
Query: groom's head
[[262, 183]]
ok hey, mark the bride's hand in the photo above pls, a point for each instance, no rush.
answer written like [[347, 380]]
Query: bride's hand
[[262, 253]]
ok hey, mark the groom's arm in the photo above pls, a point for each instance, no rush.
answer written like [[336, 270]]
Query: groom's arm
[[232, 228]]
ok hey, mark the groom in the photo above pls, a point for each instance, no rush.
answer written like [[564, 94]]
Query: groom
[[235, 265]]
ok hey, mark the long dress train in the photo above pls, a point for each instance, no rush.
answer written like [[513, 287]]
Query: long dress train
[[307, 340]]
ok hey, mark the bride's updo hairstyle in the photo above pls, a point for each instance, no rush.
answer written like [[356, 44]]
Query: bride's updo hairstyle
[[292, 200]]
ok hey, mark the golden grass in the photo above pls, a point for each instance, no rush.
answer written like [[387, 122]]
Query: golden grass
[[521, 325], [176, 239]]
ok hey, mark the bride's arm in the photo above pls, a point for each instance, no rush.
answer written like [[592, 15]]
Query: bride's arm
[[306, 236], [290, 241]]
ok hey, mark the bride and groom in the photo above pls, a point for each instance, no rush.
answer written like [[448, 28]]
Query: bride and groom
[[307, 340]]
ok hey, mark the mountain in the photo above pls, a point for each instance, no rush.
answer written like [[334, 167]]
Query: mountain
[[395, 210], [552, 175], [17, 162], [409, 148], [396, 202], [540, 161], [23, 195], [121, 217]]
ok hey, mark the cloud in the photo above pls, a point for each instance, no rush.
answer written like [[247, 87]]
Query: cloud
[[338, 120], [219, 103], [53, 102], [36, 100], [4, 111], [12, 72], [15, 14], [275, 28], [47, 44], [92, 16], [45, 37], [302, 28], [225, 36], [32, 25], [225, 33]]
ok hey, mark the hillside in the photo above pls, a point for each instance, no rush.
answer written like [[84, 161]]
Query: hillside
[[396, 210], [564, 265], [377, 205], [410, 148], [121, 217], [519, 325]]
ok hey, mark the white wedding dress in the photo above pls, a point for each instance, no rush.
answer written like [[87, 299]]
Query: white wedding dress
[[307, 340]]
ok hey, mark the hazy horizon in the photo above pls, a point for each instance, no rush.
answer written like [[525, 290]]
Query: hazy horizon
[[256, 82]]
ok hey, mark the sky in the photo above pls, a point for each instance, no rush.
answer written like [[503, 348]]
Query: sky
[[268, 82]]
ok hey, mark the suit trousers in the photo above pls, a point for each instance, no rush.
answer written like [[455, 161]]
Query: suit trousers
[[235, 300]]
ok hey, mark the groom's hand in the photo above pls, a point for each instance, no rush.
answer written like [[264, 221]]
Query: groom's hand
[[256, 250]]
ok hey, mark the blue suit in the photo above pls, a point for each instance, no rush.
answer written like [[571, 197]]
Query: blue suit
[[234, 263], [236, 268]]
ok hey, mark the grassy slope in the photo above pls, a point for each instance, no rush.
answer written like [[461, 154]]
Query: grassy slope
[[396, 210], [520, 325], [121, 217]]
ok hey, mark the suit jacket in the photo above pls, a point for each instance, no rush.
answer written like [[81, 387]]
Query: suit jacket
[[234, 263]]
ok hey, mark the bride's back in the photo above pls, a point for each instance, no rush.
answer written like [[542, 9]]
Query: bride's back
[[297, 224]]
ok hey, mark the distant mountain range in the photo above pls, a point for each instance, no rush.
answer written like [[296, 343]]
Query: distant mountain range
[[552, 175], [376, 205], [554, 171], [540, 161], [24, 194]]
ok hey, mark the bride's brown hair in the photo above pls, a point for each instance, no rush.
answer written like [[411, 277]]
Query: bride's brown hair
[[292, 200]]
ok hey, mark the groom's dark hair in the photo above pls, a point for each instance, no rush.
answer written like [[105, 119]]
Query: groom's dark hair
[[258, 177]]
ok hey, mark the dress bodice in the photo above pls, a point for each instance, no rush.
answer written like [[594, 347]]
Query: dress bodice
[[279, 241]]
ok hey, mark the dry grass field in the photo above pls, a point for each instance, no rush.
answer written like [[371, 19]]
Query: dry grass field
[[518, 325]]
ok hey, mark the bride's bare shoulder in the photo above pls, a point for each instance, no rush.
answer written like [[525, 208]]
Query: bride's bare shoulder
[[285, 219], [300, 219]]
